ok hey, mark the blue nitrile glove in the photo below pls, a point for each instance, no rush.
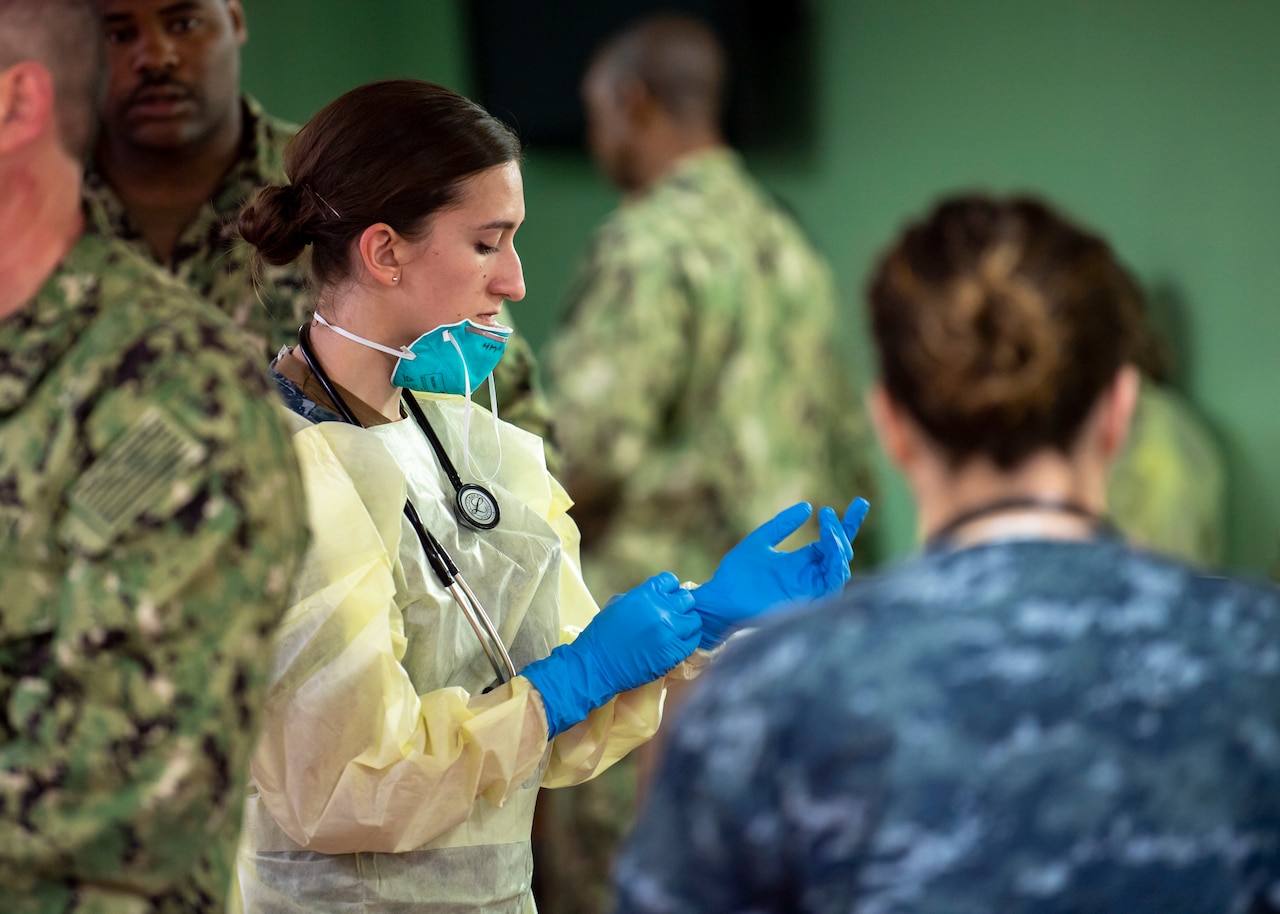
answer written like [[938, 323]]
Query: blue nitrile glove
[[754, 577], [637, 637]]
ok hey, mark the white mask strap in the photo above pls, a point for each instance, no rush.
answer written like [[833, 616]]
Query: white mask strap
[[404, 352], [471, 465]]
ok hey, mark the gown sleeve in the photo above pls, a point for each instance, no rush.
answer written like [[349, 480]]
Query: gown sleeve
[[350, 757]]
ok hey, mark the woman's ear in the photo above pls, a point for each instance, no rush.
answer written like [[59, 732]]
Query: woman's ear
[[1118, 404], [894, 430], [378, 247]]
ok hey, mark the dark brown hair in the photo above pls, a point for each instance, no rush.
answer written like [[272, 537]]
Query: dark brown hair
[[394, 151], [66, 36], [998, 324]]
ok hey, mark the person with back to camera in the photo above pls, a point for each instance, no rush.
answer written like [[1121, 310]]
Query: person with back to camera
[[1028, 716], [443, 658]]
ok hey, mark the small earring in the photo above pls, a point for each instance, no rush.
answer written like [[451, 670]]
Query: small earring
[[395, 278]]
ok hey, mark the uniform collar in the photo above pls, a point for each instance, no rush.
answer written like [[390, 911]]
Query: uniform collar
[[697, 168]]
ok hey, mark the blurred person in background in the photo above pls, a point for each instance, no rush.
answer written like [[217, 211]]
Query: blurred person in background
[[1168, 489], [1031, 714]]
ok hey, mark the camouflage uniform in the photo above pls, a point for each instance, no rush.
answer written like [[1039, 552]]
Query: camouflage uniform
[[1168, 489], [1015, 727], [698, 389], [697, 380], [268, 302], [151, 520]]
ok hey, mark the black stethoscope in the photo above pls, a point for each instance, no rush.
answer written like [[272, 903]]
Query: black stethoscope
[[1016, 504], [475, 506]]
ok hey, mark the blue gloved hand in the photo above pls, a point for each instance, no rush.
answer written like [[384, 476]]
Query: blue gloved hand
[[754, 578], [637, 637]]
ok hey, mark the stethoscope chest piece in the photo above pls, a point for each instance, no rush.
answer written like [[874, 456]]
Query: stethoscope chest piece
[[476, 507]]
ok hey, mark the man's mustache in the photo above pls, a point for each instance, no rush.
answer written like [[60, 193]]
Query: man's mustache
[[152, 85]]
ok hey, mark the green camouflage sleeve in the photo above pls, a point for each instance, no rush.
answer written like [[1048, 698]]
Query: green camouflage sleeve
[[153, 523]]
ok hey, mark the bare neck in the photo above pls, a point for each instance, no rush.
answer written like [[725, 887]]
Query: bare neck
[[944, 494], [668, 147], [40, 221], [163, 190], [363, 371]]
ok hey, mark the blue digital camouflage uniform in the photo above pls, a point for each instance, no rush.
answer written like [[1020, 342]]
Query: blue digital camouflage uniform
[[151, 520], [1168, 489], [1013, 727], [270, 303], [699, 388]]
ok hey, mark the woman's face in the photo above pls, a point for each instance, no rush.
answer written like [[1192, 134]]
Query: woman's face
[[467, 266]]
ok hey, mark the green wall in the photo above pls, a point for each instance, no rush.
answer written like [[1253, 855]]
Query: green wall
[[1155, 121]]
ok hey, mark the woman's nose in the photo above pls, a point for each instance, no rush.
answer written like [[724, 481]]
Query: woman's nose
[[509, 283]]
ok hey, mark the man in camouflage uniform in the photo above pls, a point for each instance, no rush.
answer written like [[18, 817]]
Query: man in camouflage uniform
[[1017, 726], [697, 381], [182, 150], [151, 521]]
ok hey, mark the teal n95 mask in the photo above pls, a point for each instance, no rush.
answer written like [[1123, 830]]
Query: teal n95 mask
[[451, 359]]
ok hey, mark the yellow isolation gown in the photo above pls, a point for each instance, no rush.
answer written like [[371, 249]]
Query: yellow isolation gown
[[385, 778]]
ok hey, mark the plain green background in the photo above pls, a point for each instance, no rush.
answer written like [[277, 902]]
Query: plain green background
[[1156, 122]]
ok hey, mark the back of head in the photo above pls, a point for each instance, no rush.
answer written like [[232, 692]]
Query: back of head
[[394, 151], [66, 37], [998, 324], [677, 58]]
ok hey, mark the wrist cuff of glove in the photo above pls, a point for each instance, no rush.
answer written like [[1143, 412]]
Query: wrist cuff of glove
[[568, 688], [543, 674]]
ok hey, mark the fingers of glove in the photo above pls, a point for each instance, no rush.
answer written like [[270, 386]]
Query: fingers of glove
[[683, 619], [855, 515], [663, 582], [663, 636], [648, 612], [834, 537], [666, 616], [784, 523]]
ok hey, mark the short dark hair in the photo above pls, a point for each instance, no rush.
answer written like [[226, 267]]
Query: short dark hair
[[66, 36], [998, 323], [678, 58], [394, 151]]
